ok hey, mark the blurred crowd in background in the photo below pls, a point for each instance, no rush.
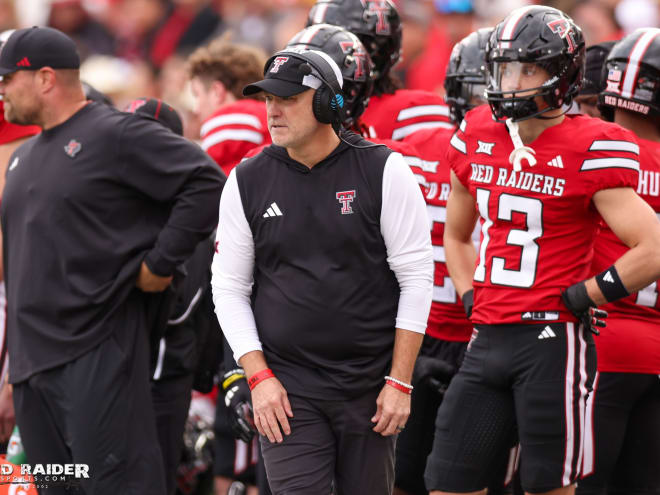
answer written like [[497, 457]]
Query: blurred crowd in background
[[134, 48]]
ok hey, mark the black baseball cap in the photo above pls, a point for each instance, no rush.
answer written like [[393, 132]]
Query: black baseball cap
[[158, 110], [284, 77], [37, 47]]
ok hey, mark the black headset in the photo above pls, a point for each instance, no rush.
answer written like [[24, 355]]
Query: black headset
[[328, 102]]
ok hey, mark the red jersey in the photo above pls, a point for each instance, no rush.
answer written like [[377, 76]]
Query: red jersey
[[631, 341], [233, 131], [447, 320], [539, 224], [11, 132], [394, 116]]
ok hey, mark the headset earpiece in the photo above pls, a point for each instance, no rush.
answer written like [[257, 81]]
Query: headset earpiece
[[323, 107], [328, 101]]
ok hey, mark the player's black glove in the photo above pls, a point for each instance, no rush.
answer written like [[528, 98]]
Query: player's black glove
[[433, 372], [468, 302], [239, 402], [580, 304]]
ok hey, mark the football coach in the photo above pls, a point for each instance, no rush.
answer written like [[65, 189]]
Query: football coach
[[322, 282], [97, 212]]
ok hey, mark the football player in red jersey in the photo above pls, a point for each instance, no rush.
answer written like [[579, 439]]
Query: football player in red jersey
[[622, 444], [448, 330], [232, 125], [531, 359], [393, 113]]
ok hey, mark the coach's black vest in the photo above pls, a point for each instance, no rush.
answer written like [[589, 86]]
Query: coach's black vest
[[325, 299]]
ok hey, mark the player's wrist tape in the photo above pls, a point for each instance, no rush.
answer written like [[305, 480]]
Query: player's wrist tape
[[404, 387], [259, 377], [231, 377], [468, 301], [610, 285]]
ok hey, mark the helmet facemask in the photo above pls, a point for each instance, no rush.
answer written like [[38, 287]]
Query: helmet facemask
[[534, 36]]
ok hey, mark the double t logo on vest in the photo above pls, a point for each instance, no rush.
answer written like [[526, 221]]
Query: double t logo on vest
[[345, 198]]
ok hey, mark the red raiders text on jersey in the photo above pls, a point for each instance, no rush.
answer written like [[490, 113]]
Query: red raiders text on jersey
[[447, 320], [631, 341], [539, 225]]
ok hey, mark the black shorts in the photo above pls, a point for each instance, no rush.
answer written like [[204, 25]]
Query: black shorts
[[331, 443], [622, 446], [534, 376], [234, 459]]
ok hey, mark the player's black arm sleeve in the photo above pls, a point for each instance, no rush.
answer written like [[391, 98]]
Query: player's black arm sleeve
[[177, 173]]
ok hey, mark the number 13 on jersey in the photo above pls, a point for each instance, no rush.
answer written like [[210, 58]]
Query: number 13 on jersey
[[524, 239]]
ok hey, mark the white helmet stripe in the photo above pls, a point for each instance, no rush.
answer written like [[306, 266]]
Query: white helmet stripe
[[636, 56], [310, 33], [510, 26], [333, 65], [319, 13]]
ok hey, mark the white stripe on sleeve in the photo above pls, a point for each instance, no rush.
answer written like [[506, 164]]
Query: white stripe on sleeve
[[231, 135], [423, 111], [405, 229], [404, 131], [232, 268], [610, 145], [230, 119], [614, 162]]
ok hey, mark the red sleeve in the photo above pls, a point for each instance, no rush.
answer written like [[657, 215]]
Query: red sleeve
[[11, 132], [228, 154], [398, 115], [611, 159], [457, 157]]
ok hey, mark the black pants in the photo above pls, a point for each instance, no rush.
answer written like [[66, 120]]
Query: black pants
[[331, 441], [622, 447], [96, 410], [171, 398]]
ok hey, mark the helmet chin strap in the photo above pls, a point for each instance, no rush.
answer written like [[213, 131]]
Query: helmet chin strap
[[520, 151]]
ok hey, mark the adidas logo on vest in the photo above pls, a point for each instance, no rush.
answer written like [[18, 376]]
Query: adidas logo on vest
[[273, 211]]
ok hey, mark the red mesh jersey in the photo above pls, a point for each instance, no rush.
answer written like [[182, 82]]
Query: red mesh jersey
[[631, 340], [538, 225]]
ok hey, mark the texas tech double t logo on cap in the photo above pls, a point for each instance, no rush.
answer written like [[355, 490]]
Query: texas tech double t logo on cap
[[277, 63]]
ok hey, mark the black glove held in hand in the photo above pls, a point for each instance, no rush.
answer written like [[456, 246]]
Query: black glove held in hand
[[468, 302], [239, 402], [580, 304], [433, 372]]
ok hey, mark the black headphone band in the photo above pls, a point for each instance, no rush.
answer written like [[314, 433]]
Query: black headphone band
[[314, 60]]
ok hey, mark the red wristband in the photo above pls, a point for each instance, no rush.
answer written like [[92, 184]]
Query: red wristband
[[400, 388], [259, 377]]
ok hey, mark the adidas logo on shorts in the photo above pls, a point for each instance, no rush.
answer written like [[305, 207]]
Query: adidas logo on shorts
[[547, 333]]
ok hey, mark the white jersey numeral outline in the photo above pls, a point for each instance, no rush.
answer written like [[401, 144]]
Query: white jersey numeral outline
[[445, 293], [532, 208]]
